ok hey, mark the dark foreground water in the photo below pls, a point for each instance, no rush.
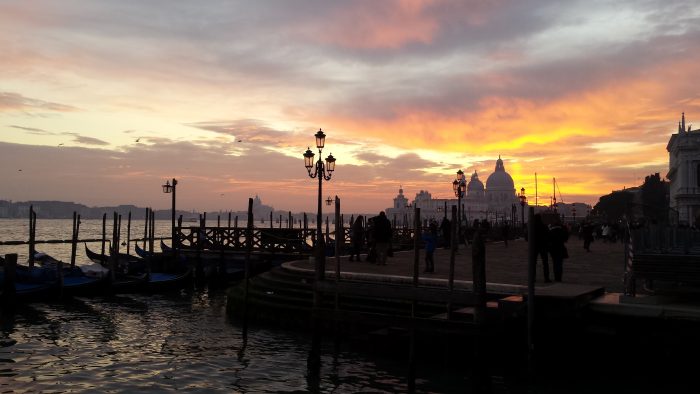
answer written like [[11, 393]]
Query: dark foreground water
[[182, 342]]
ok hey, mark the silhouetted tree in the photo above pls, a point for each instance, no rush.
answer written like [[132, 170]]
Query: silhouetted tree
[[614, 205], [655, 198]]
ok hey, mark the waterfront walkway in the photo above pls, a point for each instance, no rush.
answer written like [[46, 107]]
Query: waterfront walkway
[[603, 266]]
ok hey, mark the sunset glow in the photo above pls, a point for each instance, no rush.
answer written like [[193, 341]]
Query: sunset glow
[[100, 102]]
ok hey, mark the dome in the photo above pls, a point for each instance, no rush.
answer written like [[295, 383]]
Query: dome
[[500, 179], [475, 185]]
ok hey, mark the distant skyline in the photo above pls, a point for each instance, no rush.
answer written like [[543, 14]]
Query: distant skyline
[[102, 102]]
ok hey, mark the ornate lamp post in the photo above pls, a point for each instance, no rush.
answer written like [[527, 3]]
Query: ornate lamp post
[[523, 201], [329, 201], [573, 214], [321, 171], [171, 189], [459, 186]]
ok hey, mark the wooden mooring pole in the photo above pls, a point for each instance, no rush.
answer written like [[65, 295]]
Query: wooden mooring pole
[[74, 238], [104, 234], [112, 255], [338, 239], [414, 303], [128, 233], [145, 228], [248, 252], [32, 235], [10, 274]]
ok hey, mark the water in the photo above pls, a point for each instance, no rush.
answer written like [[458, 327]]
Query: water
[[184, 341]]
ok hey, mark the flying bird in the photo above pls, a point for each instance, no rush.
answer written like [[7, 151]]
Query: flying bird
[[19, 169], [240, 140], [138, 139], [61, 144]]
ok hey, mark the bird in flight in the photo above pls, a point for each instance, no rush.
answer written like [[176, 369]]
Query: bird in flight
[[240, 140], [61, 144], [138, 139]]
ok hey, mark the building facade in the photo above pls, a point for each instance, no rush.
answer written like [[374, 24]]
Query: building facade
[[684, 174]]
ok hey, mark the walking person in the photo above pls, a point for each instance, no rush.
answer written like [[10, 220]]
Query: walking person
[[430, 239], [558, 235], [357, 238], [541, 245], [382, 237], [446, 228]]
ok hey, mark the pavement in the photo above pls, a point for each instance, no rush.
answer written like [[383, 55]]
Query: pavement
[[505, 264]]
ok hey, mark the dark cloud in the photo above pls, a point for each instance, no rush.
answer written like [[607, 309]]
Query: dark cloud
[[16, 102], [33, 130], [90, 140]]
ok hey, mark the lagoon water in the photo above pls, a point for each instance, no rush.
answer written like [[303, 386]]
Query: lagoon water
[[180, 341]]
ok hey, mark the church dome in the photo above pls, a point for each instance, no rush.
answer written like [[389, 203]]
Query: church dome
[[500, 179], [475, 185]]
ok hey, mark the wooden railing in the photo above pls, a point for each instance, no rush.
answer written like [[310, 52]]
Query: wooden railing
[[267, 240]]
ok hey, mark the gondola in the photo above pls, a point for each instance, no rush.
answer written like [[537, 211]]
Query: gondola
[[132, 273], [26, 289], [75, 280], [104, 259]]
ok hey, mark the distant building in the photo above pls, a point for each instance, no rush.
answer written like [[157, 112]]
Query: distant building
[[261, 210], [496, 202], [684, 174]]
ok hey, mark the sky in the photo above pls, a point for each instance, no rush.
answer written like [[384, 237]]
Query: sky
[[102, 101]]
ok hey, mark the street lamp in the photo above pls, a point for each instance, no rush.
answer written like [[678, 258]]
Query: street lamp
[[321, 171], [169, 188], [523, 201], [573, 214], [459, 186], [329, 201]]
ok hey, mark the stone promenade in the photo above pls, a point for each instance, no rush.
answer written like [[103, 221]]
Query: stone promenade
[[603, 266]]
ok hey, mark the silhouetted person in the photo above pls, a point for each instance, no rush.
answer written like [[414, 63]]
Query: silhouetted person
[[382, 237], [541, 244], [506, 233], [430, 239], [446, 229], [558, 235], [357, 238], [587, 231], [371, 242]]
